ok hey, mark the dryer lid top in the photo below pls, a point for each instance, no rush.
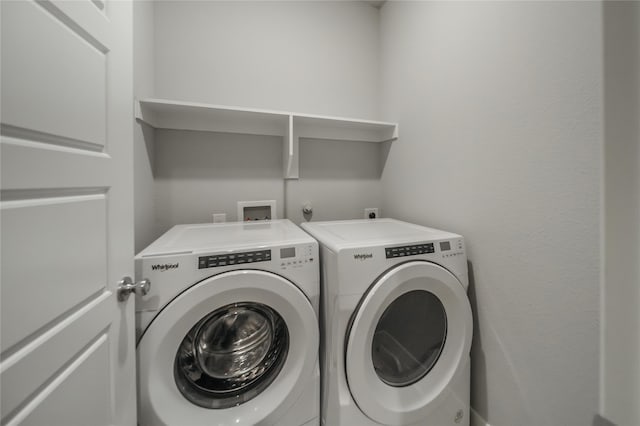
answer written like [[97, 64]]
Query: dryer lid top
[[356, 233], [226, 236]]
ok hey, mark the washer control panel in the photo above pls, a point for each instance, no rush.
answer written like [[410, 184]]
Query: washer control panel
[[218, 260], [296, 256], [451, 248], [409, 250]]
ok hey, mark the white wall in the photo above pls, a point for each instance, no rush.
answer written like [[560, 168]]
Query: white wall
[[198, 173], [316, 57], [620, 348], [312, 57], [144, 152], [500, 111]]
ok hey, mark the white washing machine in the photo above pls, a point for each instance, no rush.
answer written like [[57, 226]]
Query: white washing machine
[[228, 333], [396, 324]]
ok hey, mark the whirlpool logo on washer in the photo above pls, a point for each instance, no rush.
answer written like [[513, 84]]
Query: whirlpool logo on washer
[[363, 256], [165, 267]]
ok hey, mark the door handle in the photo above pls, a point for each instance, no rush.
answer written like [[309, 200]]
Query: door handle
[[126, 286]]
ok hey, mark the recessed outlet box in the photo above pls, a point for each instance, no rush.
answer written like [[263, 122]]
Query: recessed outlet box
[[371, 213], [257, 210], [219, 217]]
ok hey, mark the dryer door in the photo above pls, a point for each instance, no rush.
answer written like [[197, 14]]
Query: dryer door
[[409, 337], [236, 348]]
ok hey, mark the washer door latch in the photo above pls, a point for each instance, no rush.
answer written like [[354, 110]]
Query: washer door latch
[[126, 286]]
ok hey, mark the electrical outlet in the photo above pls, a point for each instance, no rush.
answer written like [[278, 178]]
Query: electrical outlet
[[219, 217], [371, 213]]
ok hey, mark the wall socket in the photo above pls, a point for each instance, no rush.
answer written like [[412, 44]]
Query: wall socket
[[371, 213], [219, 217]]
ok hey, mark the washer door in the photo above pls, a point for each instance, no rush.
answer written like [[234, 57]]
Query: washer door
[[407, 341], [236, 348]]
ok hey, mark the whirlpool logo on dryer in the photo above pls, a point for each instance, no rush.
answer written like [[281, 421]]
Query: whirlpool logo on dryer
[[363, 256], [165, 267]]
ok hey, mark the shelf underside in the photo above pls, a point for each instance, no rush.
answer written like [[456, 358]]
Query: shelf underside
[[165, 114]]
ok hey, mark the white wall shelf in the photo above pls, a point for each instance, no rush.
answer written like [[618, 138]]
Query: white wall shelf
[[178, 115]]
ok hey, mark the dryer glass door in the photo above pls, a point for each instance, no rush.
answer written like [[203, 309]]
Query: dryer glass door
[[409, 337]]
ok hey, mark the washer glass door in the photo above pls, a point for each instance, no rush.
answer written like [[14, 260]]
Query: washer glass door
[[408, 338], [231, 355], [239, 347]]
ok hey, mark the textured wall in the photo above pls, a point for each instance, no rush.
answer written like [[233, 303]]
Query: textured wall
[[143, 146], [500, 111], [309, 57], [621, 290]]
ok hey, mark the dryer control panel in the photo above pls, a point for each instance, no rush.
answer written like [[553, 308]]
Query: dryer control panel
[[446, 248], [409, 250]]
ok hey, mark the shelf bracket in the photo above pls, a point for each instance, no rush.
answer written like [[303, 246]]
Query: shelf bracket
[[291, 151]]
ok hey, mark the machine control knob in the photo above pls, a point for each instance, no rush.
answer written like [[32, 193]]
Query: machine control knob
[[126, 286]]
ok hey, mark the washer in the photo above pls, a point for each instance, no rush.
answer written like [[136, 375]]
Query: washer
[[228, 333], [396, 323]]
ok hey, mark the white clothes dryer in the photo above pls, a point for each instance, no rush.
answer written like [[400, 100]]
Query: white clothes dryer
[[396, 323], [228, 333]]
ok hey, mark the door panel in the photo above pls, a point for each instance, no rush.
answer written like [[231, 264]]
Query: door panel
[[61, 231], [58, 167], [56, 79], [67, 353], [44, 357], [81, 382]]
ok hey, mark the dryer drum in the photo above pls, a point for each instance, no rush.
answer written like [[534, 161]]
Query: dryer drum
[[231, 355], [409, 338]]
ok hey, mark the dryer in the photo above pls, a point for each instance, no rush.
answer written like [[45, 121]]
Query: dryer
[[396, 323], [228, 333]]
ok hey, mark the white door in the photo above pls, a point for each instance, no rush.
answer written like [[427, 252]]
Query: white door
[[410, 337], [67, 344]]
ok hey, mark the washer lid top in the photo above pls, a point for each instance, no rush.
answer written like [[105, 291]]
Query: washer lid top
[[343, 234], [207, 237]]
